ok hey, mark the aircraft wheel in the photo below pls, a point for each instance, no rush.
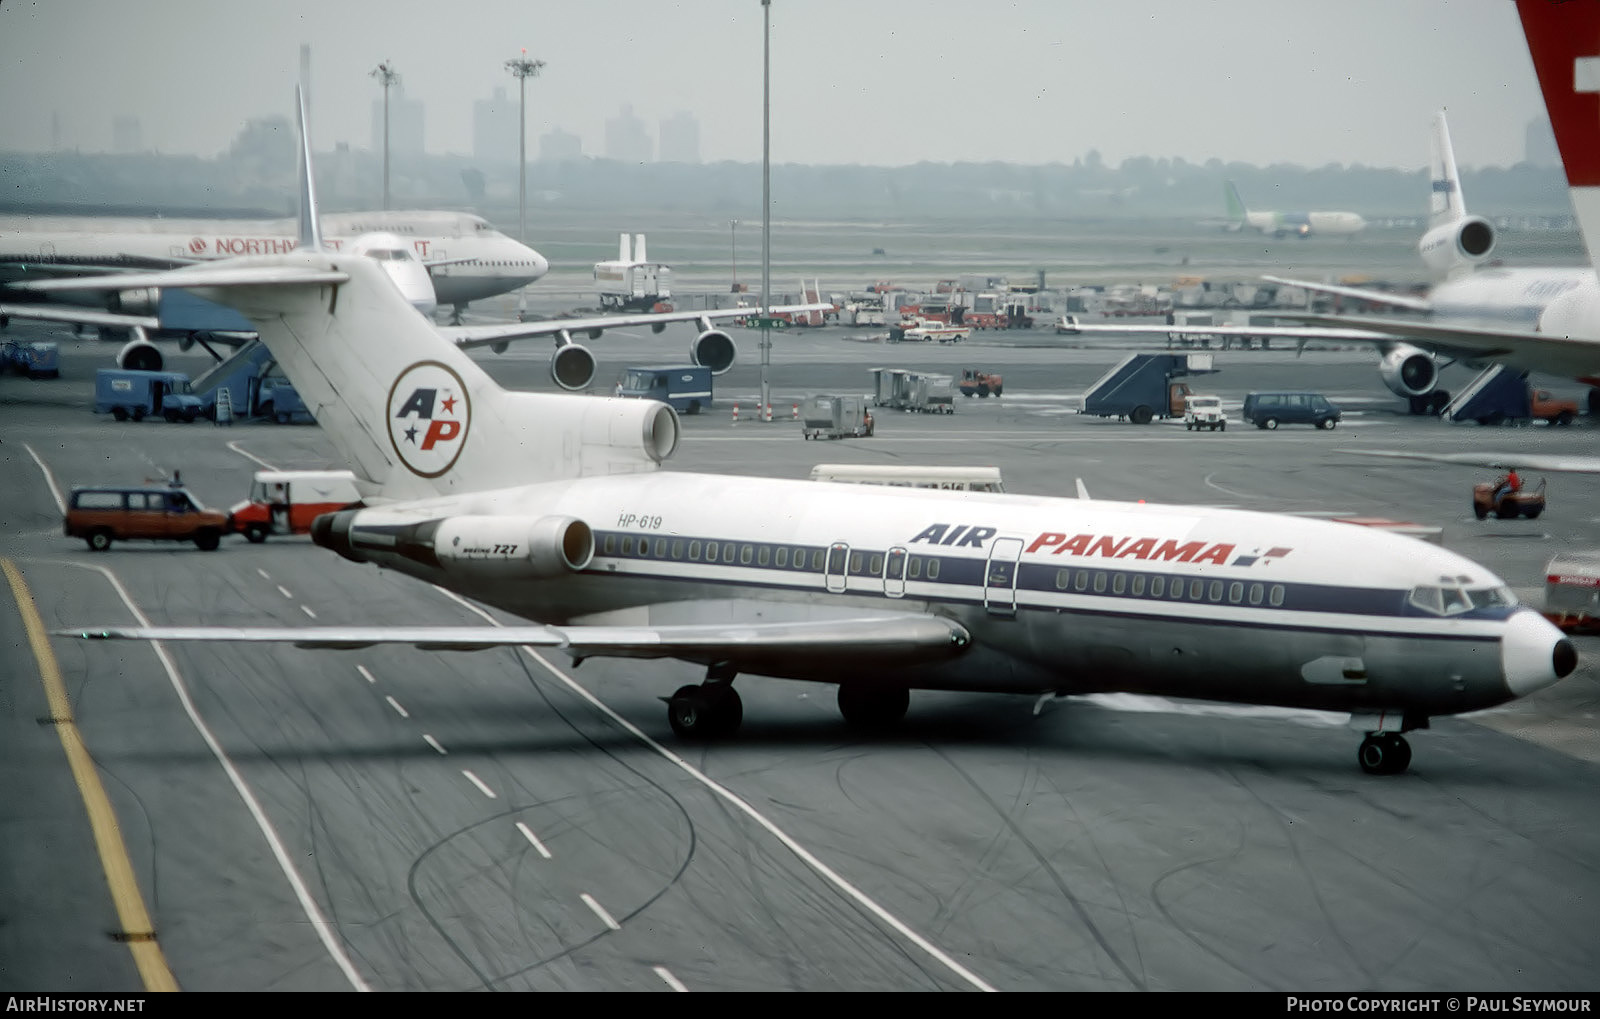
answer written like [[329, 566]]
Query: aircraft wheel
[[1270, 423], [869, 706], [699, 713], [99, 540], [1384, 754]]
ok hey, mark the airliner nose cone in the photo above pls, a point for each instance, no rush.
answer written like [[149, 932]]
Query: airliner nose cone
[[1534, 654]]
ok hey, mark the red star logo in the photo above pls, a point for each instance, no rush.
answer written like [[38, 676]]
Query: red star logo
[[449, 404]]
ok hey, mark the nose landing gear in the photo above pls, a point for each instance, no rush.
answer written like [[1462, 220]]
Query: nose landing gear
[[1384, 753]]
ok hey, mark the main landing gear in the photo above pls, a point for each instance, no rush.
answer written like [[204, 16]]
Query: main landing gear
[[713, 710]]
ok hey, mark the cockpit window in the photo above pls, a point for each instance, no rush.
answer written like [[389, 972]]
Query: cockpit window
[[1454, 599]]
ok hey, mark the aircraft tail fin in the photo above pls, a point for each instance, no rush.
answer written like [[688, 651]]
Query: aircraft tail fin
[[413, 414], [310, 231], [1237, 213], [1445, 203], [1561, 42]]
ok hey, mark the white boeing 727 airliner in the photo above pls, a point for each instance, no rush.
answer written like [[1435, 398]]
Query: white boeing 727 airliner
[[552, 507]]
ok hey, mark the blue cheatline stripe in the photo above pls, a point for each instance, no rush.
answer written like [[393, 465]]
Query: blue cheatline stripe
[[956, 572]]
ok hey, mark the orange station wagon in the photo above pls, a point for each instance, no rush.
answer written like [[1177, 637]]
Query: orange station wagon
[[103, 514]]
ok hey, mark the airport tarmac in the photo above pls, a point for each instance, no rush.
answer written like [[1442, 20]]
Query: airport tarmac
[[401, 820]]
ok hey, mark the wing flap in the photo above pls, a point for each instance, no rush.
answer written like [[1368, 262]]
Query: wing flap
[[898, 639]]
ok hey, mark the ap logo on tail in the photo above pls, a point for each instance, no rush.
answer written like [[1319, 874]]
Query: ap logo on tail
[[429, 415]]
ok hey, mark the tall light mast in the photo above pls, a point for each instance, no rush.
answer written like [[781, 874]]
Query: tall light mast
[[523, 69], [387, 76]]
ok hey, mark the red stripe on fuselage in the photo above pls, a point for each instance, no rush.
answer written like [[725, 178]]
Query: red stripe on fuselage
[[1559, 34]]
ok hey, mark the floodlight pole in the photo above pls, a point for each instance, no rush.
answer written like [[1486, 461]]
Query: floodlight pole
[[733, 250], [387, 76], [766, 208], [523, 69]]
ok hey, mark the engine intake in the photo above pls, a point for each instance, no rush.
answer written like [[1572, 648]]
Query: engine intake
[[1455, 245], [713, 349], [572, 366], [1409, 371]]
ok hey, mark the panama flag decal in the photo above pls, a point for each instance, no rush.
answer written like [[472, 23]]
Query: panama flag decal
[[429, 416]]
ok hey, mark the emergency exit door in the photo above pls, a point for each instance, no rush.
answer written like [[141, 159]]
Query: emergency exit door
[[1000, 577]]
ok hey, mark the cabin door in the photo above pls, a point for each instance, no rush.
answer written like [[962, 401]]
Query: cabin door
[[838, 566], [1000, 579], [894, 572]]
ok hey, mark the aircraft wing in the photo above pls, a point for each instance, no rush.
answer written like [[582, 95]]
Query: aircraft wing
[[1570, 356], [1554, 463], [488, 335], [78, 316], [900, 639], [1344, 333], [1358, 293], [191, 276]]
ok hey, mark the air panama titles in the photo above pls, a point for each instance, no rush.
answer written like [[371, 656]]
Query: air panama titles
[[1104, 545]]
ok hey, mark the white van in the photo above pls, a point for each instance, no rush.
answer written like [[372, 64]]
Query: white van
[[962, 479]]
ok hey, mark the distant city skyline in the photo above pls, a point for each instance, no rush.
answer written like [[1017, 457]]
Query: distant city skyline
[[1035, 82]]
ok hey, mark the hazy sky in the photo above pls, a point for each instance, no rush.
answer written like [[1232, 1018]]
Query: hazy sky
[[853, 81]]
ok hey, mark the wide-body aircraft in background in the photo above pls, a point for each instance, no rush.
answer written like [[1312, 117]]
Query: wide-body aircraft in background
[[553, 507]]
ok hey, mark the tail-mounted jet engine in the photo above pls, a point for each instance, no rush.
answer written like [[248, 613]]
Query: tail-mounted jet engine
[[1413, 373], [1450, 246], [505, 547]]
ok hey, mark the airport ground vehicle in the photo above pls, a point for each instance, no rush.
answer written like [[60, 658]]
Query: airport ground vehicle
[[920, 330], [106, 513], [1141, 387], [977, 383], [1572, 591], [687, 387], [1204, 412], [835, 417], [904, 389], [1067, 325], [1506, 505], [960, 479], [37, 359], [1269, 410], [125, 393], [1504, 396], [285, 502]]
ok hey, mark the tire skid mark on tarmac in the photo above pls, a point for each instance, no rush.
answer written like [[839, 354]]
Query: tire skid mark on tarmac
[[809, 859], [1134, 980]]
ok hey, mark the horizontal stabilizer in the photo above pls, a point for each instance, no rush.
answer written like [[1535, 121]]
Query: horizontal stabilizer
[[196, 276], [898, 639], [81, 316], [1358, 293]]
